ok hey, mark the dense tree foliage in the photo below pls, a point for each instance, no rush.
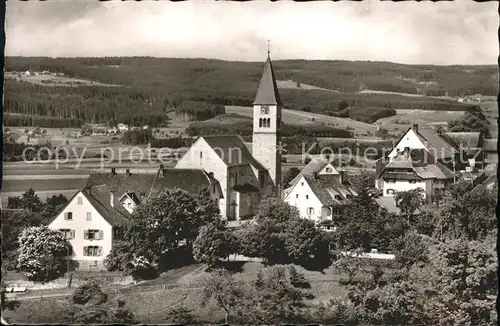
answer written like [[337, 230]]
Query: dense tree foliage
[[213, 243], [23, 212], [200, 110], [40, 253], [165, 222], [281, 236], [141, 90], [473, 120], [289, 176]]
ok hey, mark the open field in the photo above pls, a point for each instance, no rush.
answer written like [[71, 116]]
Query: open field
[[405, 118], [151, 306], [42, 185], [51, 80], [301, 118], [290, 84]]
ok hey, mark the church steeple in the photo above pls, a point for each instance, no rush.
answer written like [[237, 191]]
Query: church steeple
[[267, 93]]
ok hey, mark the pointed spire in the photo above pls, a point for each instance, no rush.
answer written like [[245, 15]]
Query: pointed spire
[[267, 93]]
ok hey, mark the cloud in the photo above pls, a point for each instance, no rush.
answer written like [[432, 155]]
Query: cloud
[[460, 32]]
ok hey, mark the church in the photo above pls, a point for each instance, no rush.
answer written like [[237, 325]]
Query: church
[[245, 176]]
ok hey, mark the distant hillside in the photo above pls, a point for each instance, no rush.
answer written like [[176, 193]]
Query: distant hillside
[[150, 87]]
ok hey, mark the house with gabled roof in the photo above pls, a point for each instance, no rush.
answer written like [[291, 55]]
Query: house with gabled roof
[[245, 175], [319, 197], [320, 166], [109, 198], [87, 221], [414, 169]]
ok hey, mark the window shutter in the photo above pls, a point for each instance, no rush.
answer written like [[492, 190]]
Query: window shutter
[[101, 234], [99, 251], [86, 234], [85, 251], [72, 234], [66, 215]]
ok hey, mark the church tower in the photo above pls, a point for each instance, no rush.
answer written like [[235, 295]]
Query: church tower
[[266, 124]]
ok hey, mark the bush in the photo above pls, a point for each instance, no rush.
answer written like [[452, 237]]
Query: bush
[[89, 292]]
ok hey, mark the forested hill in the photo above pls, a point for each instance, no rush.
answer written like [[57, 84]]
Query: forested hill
[[155, 85]]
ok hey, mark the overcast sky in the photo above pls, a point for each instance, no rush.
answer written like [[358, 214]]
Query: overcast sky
[[459, 32]]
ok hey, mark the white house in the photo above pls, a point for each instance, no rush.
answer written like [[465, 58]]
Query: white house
[[424, 158], [319, 198], [87, 221], [245, 177], [89, 218]]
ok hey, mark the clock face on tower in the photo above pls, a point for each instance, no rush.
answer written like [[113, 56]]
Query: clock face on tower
[[264, 109]]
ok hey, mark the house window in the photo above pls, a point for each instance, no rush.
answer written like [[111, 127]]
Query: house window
[[297, 196], [129, 205], [437, 191], [92, 235], [328, 170], [79, 201], [301, 183], [413, 181], [307, 196], [390, 191], [201, 155], [92, 251], [310, 211], [68, 216], [89, 216], [68, 234]]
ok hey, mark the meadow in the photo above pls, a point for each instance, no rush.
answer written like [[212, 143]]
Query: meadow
[[152, 306]]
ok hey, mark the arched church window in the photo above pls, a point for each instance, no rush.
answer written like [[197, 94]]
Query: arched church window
[[268, 122], [260, 123]]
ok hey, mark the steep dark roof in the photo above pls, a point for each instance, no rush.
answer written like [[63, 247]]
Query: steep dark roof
[[440, 144], [490, 145], [267, 93], [245, 188], [327, 187], [229, 148], [100, 199], [466, 139], [190, 180]]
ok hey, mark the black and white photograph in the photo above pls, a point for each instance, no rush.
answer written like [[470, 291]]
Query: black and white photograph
[[250, 163]]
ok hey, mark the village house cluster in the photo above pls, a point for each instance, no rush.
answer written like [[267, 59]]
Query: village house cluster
[[238, 176]]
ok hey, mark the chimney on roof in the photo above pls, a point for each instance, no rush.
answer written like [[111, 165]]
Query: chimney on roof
[[127, 172], [211, 175], [113, 171], [112, 198], [415, 127], [341, 176]]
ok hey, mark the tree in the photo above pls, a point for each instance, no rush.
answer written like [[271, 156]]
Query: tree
[[348, 265], [473, 120], [93, 307], [40, 253], [140, 268], [305, 244], [163, 221], [277, 210], [90, 291], [223, 288], [409, 201], [363, 181], [279, 300], [289, 176], [469, 215], [214, 242], [410, 249]]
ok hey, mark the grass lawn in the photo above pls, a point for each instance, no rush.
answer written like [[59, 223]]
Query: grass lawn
[[151, 307]]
